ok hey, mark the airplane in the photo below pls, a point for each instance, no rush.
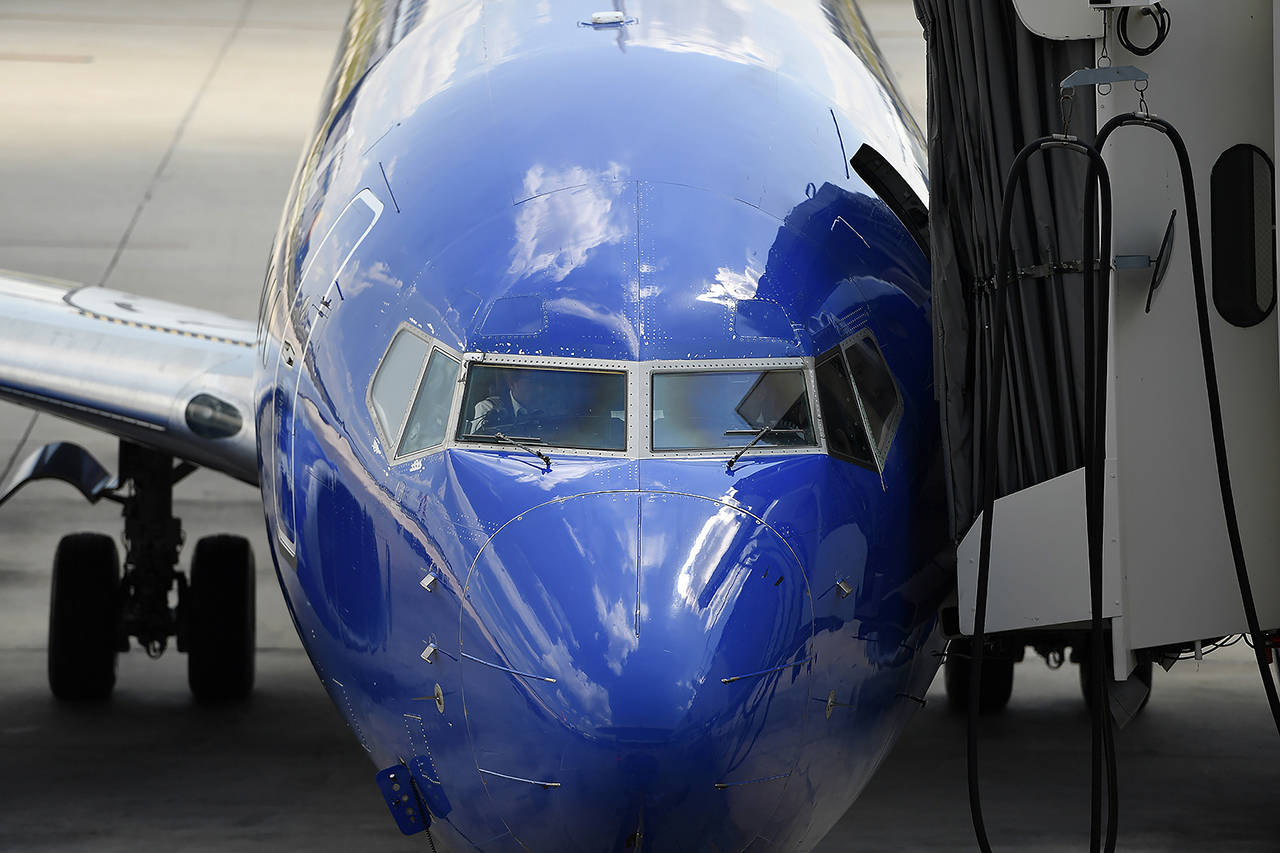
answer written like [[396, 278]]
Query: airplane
[[590, 401]]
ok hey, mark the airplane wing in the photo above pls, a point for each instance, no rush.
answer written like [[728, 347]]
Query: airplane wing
[[176, 379]]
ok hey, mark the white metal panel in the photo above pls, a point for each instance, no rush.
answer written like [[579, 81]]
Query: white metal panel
[[1039, 560], [1212, 79], [1060, 19], [1068, 19]]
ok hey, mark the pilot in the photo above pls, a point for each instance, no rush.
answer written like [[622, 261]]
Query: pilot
[[515, 404]]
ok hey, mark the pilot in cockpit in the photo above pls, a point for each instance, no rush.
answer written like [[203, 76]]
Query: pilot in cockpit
[[521, 401]]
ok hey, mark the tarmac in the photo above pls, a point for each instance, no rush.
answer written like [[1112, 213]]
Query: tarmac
[[149, 145]]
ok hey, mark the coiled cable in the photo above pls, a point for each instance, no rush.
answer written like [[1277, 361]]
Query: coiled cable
[[1159, 14]]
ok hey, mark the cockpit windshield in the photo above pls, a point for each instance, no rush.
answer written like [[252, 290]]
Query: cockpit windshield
[[558, 407], [708, 410]]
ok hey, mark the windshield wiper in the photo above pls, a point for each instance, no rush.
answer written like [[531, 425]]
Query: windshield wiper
[[759, 434], [517, 441]]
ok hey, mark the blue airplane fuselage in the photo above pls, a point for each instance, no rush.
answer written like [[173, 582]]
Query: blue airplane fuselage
[[621, 650]]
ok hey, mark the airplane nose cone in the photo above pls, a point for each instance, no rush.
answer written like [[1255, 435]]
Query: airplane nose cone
[[635, 671]]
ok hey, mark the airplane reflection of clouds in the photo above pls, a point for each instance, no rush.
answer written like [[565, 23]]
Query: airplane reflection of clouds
[[710, 29], [457, 48], [731, 286], [853, 91], [523, 627], [706, 553], [540, 625], [356, 280], [616, 620], [593, 699], [723, 30], [725, 596], [567, 213], [598, 315]]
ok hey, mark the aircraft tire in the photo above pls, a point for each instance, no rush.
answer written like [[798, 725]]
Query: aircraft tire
[[220, 616], [993, 691], [83, 616]]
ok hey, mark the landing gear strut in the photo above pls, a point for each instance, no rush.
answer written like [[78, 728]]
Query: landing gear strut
[[94, 610]]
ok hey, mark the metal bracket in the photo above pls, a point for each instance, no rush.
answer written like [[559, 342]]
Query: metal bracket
[[1133, 262], [1046, 270], [401, 797], [1104, 5], [1118, 263], [1160, 261], [1103, 76], [832, 704]]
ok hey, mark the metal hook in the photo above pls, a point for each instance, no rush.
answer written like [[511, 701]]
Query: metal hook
[[1104, 58]]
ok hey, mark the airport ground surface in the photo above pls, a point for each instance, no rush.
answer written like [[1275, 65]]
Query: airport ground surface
[[200, 108]]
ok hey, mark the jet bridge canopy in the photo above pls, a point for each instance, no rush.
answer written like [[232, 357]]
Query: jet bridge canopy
[[993, 87]]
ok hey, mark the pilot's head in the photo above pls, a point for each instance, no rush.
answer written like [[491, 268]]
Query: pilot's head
[[528, 387]]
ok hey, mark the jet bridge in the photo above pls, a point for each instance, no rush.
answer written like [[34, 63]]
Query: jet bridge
[[1102, 232], [997, 75]]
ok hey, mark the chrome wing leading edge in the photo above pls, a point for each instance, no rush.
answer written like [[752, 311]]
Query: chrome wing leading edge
[[177, 379]]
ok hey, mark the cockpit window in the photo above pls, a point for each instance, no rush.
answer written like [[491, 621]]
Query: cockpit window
[[395, 380], [860, 402], [878, 393], [429, 420], [714, 409], [846, 434], [558, 407]]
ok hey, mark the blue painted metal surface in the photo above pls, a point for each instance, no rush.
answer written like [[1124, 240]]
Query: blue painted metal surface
[[633, 649], [398, 792]]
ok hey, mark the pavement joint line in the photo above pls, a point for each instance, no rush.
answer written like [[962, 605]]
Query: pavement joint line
[[108, 20], [223, 50], [68, 58]]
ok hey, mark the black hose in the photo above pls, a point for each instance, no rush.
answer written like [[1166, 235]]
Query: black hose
[[1097, 316], [1095, 453], [1211, 388], [1159, 14]]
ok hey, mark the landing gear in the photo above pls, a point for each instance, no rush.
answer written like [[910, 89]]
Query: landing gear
[[996, 681], [219, 617], [84, 618], [94, 611]]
